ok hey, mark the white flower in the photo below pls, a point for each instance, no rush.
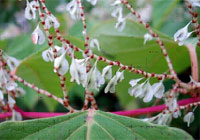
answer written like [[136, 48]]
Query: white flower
[[134, 82], [48, 55], [93, 2], [189, 118], [94, 43], [164, 119], [16, 116], [148, 92], [94, 79], [12, 62], [158, 89], [182, 34], [107, 72], [30, 10], [173, 107], [11, 85], [117, 13], [1, 95], [38, 36], [117, 2], [11, 101], [73, 9], [147, 37], [78, 72], [51, 21], [4, 77], [114, 81], [120, 25], [61, 65], [195, 3], [19, 91]]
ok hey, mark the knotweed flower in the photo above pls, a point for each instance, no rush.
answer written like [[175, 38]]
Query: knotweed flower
[[147, 37], [78, 71], [94, 43], [93, 2], [189, 118], [48, 55], [94, 79], [12, 62], [11, 101], [73, 9], [158, 89], [107, 72], [61, 65], [51, 21], [182, 34], [38, 36], [195, 3], [30, 10], [114, 81]]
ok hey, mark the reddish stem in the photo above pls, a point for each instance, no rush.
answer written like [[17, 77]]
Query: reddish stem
[[136, 112], [194, 62]]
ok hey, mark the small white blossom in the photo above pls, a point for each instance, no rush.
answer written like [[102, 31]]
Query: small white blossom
[[189, 118], [107, 72], [158, 89], [173, 106], [78, 72], [93, 2], [134, 82], [94, 79], [73, 9], [120, 25], [11, 101], [16, 116], [147, 37], [195, 3], [51, 21], [114, 81], [117, 2], [182, 34], [164, 119], [30, 10], [148, 92], [48, 55], [94, 43], [61, 65], [12, 62], [1, 95], [38, 36], [117, 13], [11, 85]]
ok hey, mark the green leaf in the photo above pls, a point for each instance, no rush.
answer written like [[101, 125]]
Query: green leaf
[[90, 125], [161, 11], [128, 47]]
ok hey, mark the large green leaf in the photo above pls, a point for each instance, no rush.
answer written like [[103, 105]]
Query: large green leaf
[[90, 125], [128, 47]]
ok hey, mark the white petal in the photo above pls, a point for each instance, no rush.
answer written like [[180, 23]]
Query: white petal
[[29, 11], [147, 37], [117, 13], [111, 85], [189, 118], [63, 67], [134, 82], [95, 44], [117, 2], [1, 95], [107, 72], [158, 89], [61, 64], [100, 79], [38, 36], [11, 101], [11, 85], [93, 2], [12, 62], [120, 76], [149, 93], [120, 25]]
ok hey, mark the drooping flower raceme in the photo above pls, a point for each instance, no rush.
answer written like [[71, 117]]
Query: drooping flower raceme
[[189, 118], [30, 10], [114, 81], [182, 34], [61, 65], [94, 79], [38, 36]]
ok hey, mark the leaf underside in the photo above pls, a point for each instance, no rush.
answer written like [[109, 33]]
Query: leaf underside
[[90, 125]]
